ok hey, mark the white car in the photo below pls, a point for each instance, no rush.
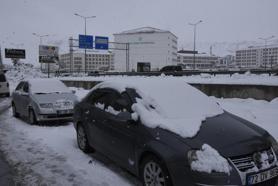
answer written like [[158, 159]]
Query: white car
[[4, 86], [43, 100]]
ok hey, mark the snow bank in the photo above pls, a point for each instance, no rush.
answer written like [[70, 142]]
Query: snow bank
[[168, 103], [208, 160]]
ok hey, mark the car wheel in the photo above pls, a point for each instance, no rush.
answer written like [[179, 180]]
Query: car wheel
[[82, 139], [154, 173], [15, 114], [32, 117]]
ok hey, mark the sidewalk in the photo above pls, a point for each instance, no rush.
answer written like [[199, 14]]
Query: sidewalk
[[6, 173]]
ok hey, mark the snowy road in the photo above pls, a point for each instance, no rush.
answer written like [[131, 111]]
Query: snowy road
[[49, 155]]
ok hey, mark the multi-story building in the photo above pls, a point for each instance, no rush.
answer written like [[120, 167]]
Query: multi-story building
[[226, 62], [257, 57], [202, 60], [97, 60], [148, 49]]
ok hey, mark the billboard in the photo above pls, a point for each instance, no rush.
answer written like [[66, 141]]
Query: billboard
[[101, 42], [48, 54], [15, 53], [86, 41]]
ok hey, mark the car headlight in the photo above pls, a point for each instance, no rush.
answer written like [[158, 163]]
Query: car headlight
[[46, 105]]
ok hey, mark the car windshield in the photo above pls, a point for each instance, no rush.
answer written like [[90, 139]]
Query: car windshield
[[47, 86]]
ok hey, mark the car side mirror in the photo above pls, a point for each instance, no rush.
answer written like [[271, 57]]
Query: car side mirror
[[126, 117], [122, 103]]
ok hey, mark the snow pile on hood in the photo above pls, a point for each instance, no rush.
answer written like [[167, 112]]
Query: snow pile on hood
[[48, 85], [168, 103], [208, 160]]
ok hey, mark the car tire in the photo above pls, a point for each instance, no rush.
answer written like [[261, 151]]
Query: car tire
[[15, 114], [154, 172], [32, 117], [82, 139]]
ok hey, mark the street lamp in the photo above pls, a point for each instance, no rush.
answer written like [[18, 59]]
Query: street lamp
[[40, 36], [266, 39], [85, 29], [194, 25]]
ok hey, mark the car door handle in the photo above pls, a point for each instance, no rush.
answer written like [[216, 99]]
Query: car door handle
[[87, 112]]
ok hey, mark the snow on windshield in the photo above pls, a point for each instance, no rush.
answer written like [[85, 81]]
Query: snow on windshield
[[168, 103], [47, 86]]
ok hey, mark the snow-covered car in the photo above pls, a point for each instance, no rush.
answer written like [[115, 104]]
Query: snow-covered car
[[168, 133], [43, 100], [4, 86]]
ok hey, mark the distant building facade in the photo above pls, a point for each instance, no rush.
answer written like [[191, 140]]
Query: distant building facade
[[149, 49], [202, 61], [96, 61], [226, 62], [257, 57]]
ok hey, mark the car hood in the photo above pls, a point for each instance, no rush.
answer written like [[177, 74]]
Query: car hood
[[228, 134], [53, 97]]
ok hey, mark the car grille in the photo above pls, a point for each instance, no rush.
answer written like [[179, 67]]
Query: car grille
[[245, 163]]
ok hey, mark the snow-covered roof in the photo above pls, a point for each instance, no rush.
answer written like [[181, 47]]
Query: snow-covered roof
[[168, 103], [144, 30]]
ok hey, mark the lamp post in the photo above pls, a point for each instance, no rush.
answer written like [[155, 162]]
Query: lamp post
[[41, 37], [85, 29], [266, 39], [194, 25]]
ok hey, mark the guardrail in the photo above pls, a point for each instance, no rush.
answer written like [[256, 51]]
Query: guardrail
[[179, 73], [260, 92]]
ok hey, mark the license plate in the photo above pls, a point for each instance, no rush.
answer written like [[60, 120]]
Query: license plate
[[63, 111], [262, 176]]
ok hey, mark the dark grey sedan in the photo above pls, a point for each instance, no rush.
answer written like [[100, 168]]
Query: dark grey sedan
[[43, 100], [117, 119]]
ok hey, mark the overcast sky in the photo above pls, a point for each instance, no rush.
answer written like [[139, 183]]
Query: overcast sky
[[223, 20]]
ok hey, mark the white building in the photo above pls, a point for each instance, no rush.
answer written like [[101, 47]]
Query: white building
[[149, 49], [97, 60], [257, 57], [202, 61]]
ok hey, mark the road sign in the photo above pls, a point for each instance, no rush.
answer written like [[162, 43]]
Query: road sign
[[86, 41], [48, 54], [15, 53], [101, 42]]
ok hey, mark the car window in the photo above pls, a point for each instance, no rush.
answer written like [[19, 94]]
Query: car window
[[2, 78], [26, 87], [20, 86]]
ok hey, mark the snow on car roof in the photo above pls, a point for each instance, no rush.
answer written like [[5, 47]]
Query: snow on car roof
[[168, 103], [47, 85]]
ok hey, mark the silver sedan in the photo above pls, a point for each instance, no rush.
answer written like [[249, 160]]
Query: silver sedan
[[43, 100]]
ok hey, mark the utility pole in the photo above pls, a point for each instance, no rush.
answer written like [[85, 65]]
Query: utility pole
[[265, 49], [85, 21], [41, 37], [194, 25]]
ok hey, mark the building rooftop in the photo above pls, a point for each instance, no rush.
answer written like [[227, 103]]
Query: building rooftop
[[144, 30]]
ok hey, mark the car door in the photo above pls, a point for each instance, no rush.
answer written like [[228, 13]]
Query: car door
[[16, 96], [93, 115], [120, 132], [25, 99]]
